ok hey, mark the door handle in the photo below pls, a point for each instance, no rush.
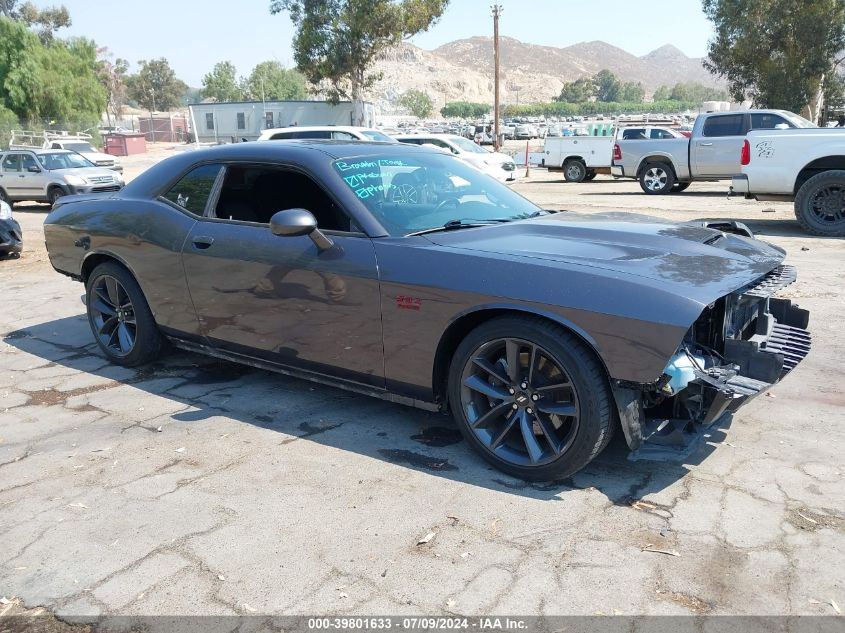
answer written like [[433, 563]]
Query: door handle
[[202, 242], [706, 144]]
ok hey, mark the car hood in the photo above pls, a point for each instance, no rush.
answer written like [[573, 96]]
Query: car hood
[[97, 157], [700, 263], [87, 172]]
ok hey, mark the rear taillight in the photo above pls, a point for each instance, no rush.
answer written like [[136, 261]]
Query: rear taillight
[[617, 152], [745, 154]]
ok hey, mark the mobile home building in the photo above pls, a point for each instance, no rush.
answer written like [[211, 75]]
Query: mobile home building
[[236, 121]]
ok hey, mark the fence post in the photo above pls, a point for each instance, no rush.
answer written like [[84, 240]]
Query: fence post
[[527, 163]]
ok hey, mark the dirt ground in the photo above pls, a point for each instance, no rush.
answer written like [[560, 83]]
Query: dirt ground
[[198, 487]]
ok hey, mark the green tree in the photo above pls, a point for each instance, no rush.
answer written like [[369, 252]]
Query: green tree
[[578, 91], [155, 86], [417, 103], [631, 92], [45, 21], [694, 91], [337, 41], [777, 52], [607, 86], [221, 84], [18, 68], [69, 91], [465, 110], [112, 76], [662, 93], [271, 81]]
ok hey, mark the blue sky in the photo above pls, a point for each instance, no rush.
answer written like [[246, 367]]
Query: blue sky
[[195, 34]]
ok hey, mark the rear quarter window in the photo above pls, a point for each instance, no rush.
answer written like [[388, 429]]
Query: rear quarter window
[[726, 125], [194, 189]]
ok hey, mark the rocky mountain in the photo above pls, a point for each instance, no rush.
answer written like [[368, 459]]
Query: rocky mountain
[[463, 69]]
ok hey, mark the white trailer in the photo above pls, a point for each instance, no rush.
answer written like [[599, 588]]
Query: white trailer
[[580, 157]]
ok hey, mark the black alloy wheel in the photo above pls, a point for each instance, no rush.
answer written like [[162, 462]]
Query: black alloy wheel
[[113, 316], [820, 204], [120, 317], [535, 406]]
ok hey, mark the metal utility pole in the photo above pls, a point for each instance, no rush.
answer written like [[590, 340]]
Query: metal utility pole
[[497, 11]]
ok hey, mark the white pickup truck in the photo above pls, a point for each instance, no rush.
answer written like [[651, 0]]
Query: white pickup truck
[[804, 165]]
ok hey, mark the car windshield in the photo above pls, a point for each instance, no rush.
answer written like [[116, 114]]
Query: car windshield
[[799, 121], [63, 161], [375, 135], [79, 147], [467, 145], [411, 193]]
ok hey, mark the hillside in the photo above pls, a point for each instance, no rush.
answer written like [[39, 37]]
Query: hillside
[[463, 69]]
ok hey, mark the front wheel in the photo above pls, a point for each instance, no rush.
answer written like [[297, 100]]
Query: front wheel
[[574, 171], [657, 178], [530, 397], [54, 194], [820, 204], [120, 317]]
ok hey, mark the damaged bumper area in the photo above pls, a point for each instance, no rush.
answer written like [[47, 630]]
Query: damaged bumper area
[[739, 347]]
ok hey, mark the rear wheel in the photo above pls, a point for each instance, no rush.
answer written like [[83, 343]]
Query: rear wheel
[[574, 171], [820, 204], [120, 317], [530, 397], [657, 178]]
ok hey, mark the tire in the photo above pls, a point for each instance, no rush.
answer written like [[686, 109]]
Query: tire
[[574, 171], [680, 186], [582, 425], [657, 179], [146, 342], [54, 193], [820, 204], [591, 174]]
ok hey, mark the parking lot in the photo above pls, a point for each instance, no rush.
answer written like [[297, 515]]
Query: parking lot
[[199, 487]]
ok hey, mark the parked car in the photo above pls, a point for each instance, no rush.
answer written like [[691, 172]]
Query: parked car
[[45, 175], [525, 131], [804, 165], [711, 153], [580, 157], [334, 132], [79, 143], [403, 273], [500, 166], [11, 239]]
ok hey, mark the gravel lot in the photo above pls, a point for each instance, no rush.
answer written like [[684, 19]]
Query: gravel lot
[[199, 487]]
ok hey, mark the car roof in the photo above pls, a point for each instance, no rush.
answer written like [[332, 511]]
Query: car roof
[[39, 150], [319, 128]]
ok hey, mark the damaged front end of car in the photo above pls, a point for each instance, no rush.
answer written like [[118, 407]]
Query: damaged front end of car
[[740, 346]]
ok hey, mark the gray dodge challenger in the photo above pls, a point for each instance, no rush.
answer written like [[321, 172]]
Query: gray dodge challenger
[[404, 273]]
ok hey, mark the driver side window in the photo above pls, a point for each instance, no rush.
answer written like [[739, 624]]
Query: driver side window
[[255, 194]]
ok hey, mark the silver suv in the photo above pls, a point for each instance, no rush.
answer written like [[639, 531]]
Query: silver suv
[[45, 175]]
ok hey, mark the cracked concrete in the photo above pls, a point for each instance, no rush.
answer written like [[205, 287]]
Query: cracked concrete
[[198, 487]]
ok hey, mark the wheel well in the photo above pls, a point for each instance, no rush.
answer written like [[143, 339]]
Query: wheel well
[[656, 159], [816, 167], [92, 261], [458, 330], [569, 159]]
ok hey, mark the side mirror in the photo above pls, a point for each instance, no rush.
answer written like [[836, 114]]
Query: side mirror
[[34, 169], [296, 223]]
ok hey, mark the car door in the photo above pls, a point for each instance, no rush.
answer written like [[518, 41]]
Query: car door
[[34, 177], [716, 150], [11, 176], [283, 299]]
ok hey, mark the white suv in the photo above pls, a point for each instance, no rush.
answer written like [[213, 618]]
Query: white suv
[[500, 166]]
